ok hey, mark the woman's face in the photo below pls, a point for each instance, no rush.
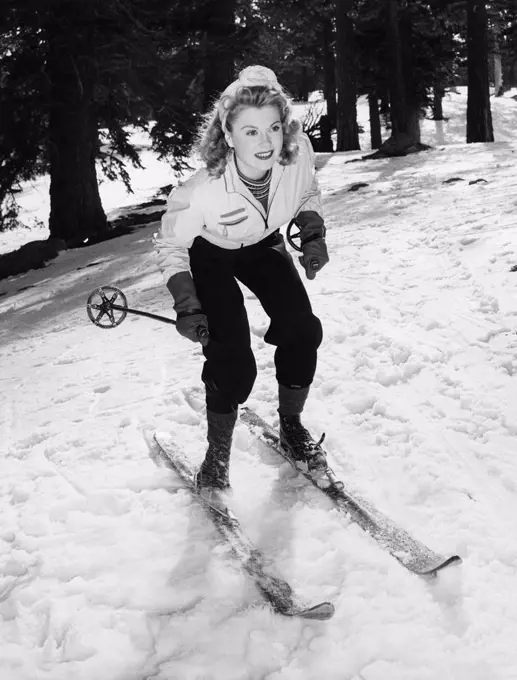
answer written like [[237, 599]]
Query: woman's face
[[257, 138]]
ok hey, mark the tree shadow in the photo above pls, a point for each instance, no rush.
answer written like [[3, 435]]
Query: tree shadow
[[276, 535], [39, 253], [40, 297], [322, 159]]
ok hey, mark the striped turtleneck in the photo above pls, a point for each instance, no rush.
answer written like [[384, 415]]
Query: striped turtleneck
[[259, 188]]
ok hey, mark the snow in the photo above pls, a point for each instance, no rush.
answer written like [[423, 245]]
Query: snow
[[110, 570]]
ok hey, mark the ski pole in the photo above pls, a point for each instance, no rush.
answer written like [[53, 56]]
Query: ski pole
[[99, 306]]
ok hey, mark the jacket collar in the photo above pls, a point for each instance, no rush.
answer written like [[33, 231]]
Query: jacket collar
[[234, 184]]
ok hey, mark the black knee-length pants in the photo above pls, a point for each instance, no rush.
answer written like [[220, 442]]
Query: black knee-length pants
[[267, 269]]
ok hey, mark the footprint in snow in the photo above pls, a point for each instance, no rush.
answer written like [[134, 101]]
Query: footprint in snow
[[24, 447], [195, 398], [68, 360]]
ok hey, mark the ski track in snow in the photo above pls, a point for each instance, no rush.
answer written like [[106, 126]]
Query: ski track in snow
[[110, 570]]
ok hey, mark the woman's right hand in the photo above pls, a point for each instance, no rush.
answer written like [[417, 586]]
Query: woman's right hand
[[193, 326]]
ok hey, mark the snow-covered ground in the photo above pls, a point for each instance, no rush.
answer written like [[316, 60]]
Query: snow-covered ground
[[110, 570]]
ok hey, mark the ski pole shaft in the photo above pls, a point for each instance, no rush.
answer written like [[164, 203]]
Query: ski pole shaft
[[202, 332], [139, 312]]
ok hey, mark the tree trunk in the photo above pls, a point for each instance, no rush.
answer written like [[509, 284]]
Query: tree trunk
[[396, 83], [509, 52], [479, 115], [438, 94], [347, 128], [329, 66], [497, 60], [76, 213], [509, 71], [303, 85], [498, 74], [219, 48], [325, 145], [413, 124], [405, 107], [513, 49], [375, 122]]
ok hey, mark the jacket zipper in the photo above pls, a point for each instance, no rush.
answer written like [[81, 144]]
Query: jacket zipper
[[270, 204], [254, 206], [273, 196]]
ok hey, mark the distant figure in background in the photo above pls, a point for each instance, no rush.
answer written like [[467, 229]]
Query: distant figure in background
[[222, 226]]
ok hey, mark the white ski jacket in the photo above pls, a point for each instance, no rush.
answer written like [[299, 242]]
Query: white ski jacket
[[224, 212]]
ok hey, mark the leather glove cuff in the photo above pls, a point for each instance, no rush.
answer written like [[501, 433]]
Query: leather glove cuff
[[181, 287], [188, 312], [311, 226]]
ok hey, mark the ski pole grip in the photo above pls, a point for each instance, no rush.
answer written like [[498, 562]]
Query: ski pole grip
[[314, 265], [203, 335]]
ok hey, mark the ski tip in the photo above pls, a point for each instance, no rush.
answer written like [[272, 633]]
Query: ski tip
[[160, 437], [434, 570], [320, 612], [155, 438], [148, 435]]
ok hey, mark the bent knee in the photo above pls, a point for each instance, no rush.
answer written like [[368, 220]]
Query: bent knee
[[229, 371], [306, 331], [313, 332]]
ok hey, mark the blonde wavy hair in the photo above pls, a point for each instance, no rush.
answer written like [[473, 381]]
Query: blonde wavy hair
[[211, 144]]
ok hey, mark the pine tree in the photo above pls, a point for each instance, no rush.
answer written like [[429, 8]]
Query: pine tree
[[72, 69], [75, 206], [347, 128], [479, 116], [296, 38], [502, 16]]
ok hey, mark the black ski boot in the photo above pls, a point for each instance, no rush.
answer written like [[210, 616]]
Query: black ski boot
[[297, 442], [213, 476], [295, 439]]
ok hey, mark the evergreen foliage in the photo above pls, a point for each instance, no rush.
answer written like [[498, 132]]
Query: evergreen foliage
[[78, 76], [131, 57]]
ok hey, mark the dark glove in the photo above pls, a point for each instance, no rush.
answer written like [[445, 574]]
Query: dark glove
[[311, 225], [315, 256], [312, 240], [193, 326], [191, 323]]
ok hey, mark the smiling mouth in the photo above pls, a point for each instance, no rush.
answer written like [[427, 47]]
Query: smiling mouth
[[264, 156]]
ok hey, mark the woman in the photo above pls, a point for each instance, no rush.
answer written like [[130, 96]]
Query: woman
[[222, 226]]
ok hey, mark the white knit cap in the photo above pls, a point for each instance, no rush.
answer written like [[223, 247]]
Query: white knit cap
[[251, 76]]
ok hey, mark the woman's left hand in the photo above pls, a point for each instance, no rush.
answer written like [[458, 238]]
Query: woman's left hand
[[315, 256]]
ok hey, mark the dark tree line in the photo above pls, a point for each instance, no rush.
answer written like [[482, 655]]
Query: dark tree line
[[77, 75]]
